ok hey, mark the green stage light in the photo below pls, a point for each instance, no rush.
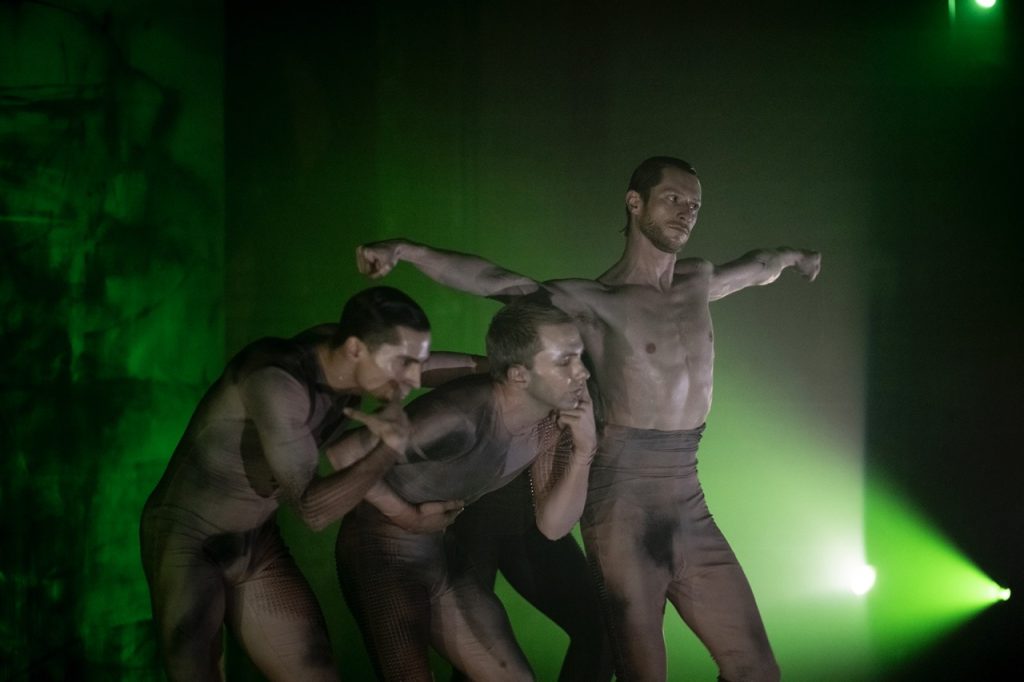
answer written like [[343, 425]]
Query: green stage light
[[980, 4], [926, 586], [862, 579], [1002, 593]]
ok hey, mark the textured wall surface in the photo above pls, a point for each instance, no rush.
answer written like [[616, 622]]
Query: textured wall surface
[[111, 238]]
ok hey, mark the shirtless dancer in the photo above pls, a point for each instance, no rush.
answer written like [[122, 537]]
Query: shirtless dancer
[[647, 329], [211, 549], [467, 438]]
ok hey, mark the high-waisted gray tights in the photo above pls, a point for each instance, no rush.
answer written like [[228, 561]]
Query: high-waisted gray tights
[[650, 538]]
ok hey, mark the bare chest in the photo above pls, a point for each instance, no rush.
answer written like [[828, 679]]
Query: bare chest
[[641, 324]]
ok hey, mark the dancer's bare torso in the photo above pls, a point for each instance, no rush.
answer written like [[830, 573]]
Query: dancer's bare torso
[[651, 350]]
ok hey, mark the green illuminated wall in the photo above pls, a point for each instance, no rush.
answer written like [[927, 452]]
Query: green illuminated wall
[[111, 225]]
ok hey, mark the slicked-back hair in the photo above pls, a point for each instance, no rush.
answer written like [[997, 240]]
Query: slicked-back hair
[[514, 335], [648, 174], [373, 315]]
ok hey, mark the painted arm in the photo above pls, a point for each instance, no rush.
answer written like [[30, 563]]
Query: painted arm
[[278, 406], [560, 475], [460, 271], [326, 499], [443, 366], [760, 267], [426, 517]]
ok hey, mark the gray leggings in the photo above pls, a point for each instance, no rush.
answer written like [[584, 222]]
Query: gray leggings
[[411, 591], [248, 581], [650, 539], [499, 532]]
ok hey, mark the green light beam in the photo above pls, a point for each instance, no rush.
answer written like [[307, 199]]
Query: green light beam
[[925, 586]]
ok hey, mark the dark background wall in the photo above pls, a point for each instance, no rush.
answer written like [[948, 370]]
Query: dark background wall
[[176, 182], [945, 363]]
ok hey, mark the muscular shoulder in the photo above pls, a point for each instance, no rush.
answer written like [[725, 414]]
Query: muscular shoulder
[[272, 390], [578, 297], [273, 379], [273, 382], [574, 287], [694, 266], [466, 395], [445, 421]]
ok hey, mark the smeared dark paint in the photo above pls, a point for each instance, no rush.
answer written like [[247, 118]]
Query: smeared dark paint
[[656, 540]]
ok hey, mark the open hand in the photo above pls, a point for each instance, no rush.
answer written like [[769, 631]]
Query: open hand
[[389, 423]]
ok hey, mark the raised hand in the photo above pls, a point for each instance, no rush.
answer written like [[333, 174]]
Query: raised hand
[[377, 259], [580, 422], [809, 264], [389, 423]]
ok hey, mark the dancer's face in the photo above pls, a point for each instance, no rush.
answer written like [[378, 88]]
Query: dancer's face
[[558, 378], [669, 215], [391, 370]]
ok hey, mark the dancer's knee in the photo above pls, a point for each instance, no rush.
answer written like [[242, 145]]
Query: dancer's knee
[[765, 669]]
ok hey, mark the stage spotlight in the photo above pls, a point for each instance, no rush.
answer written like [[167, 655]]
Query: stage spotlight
[[927, 588], [979, 10], [862, 580]]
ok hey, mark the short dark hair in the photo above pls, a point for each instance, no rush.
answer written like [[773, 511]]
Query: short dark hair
[[373, 314], [648, 174], [513, 337]]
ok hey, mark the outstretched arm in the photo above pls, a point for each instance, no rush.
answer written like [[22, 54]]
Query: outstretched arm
[[760, 267], [460, 271], [443, 366], [560, 475]]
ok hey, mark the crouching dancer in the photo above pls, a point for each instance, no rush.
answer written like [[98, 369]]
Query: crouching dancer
[[211, 549], [471, 436]]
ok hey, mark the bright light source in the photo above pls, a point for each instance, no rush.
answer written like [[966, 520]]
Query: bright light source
[[862, 580], [928, 586], [1001, 593], [986, 4]]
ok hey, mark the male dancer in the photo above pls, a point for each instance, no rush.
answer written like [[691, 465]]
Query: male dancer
[[647, 328], [211, 549], [467, 438]]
